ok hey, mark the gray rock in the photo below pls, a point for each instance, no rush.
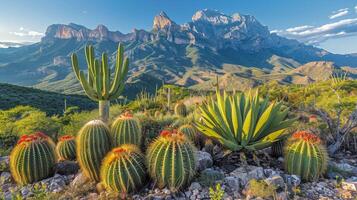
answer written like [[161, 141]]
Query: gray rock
[[79, 180], [166, 191], [204, 160], [195, 186], [5, 177], [343, 168], [232, 182], [275, 180], [245, 174], [209, 176], [67, 167], [292, 180], [270, 172]]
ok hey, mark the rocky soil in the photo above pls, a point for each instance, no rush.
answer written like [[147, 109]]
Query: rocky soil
[[233, 176]]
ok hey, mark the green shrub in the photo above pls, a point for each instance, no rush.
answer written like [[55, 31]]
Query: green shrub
[[259, 188], [217, 193]]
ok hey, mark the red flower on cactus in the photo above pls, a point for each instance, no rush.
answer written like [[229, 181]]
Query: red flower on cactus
[[66, 137], [313, 117], [32, 137], [118, 150], [126, 114], [307, 136]]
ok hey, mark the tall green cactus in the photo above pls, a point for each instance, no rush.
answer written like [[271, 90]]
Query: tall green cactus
[[33, 158], [305, 156], [93, 143], [123, 169], [126, 130], [66, 148], [180, 109], [98, 85], [171, 160]]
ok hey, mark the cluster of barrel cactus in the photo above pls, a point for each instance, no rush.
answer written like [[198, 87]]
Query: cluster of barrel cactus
[[126, 129], [171, 160], [33, 158], [305, 155], [66, 148]]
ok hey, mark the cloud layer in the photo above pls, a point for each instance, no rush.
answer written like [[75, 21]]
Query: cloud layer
[[27, 33], [339, 13]]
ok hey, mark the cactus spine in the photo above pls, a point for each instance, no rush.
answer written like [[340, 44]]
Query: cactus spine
[[180, 109], [98, 85], [123, 169], [93, 143], [126, 130], [190, 132], [171, 160], [66, 148], [305, 156], [33, 158]]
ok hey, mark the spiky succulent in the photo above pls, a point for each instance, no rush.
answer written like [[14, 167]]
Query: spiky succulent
[[180, 109], [123, 169], [33, 158], [93, 143], [126, 129], [306, 156], [66, 148], [243, 122], [171, 160], [98, 85]]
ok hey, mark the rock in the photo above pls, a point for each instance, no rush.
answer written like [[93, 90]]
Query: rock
[[5, 177], [166, 191], [232, 182], [282, 196], [292, 180], [209, 176], [343, 169], [195, 186], [79, 180], [67, 167], [275, 180], [245, 174], [350, 184], [204, 160]]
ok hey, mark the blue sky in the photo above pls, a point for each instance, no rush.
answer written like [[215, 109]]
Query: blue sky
[[330, 24]]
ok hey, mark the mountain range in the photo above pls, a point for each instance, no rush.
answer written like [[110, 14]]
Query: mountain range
[[237, 48]]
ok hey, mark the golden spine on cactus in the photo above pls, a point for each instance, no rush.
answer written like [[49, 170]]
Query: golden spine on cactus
[[66, 148], [180, 109], [190, 132], [305, 156], [93, 143], [126, 129], [171, 160], [33, 158], [98, 85], [123, 169]]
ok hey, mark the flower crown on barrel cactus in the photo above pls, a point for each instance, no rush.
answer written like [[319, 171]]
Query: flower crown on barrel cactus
[[171, 160], [126, 129], [66, 148], [98, 85], [93, 143], [123, 169], [243, 122], [33, 158], [306, 156]]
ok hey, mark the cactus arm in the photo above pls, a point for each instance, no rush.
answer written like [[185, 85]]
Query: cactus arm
[[75, 65], [87, 89], [98, 79], [118, 69], [106, 76]]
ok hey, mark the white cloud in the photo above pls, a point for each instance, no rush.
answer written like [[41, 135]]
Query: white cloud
[[356, 9], [27, 33], [339, 13], [316, 35]]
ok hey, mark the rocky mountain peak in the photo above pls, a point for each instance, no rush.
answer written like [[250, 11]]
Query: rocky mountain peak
[[211, 16], [162, 21]]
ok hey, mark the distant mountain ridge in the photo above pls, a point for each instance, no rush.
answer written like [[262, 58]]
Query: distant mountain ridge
[[234, 46]]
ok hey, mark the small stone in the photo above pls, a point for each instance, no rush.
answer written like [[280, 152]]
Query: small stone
[[5, 177], [79, 180], [350, 185], [292, 180], [204, 160], [166, 191], [195, 192], [276, 180], [195, 186], [282, 196], [232, 182]]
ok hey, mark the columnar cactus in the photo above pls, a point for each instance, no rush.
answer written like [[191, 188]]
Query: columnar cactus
[[171, 160], [66, 148], [305, 156], [98, 85], [180, 109], [33, 158], [123, 169], [126, 130], [93, 143], [277, 148]]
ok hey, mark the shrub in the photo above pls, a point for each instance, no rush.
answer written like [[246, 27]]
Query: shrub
[[217, 193], [259, 188]]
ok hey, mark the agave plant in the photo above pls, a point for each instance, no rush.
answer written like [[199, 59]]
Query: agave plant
[[242, 121]]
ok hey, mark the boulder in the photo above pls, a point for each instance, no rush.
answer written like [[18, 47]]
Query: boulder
[[204, 160], [67, 167], [275, 180], [245, 174], [232, 182]]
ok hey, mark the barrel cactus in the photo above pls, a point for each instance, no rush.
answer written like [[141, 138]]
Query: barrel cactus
[[306, 156], [180, 109], [93, 143], [192, 134], [123, 169], [171, 160], [66, 148], [33, 158], [126, 130]]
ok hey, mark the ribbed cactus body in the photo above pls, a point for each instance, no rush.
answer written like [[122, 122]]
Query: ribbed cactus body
[[277, 148], [66, 148], [93, 143], [180, 109], [171, 160], [126, 130], [123, 169], [32, 159], [305, 156], [190, 132]]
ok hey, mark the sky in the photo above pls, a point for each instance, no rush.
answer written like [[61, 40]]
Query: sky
[[329, 24]]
